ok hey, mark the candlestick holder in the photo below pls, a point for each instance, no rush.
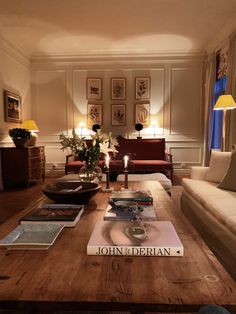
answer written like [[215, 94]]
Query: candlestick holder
[[126, 171], [108, 188]]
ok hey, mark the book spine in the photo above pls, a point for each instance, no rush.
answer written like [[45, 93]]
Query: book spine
[[135, 251]]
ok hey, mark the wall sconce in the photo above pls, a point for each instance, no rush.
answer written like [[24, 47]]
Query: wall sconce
[[224, 102], [32, 127]]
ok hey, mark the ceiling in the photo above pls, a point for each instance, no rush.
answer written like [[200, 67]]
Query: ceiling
[[80, 27]]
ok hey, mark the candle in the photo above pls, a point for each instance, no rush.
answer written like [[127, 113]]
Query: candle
[[126, 158], [107, 159]]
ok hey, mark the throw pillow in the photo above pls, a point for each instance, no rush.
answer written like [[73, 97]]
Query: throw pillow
[[229, 180], [219, 164]]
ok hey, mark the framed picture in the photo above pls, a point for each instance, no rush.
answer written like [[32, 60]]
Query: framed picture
[[94, 88], [118, 88], [94, 115], [142, 114], [12, 107], [118, 114], [142, 87]]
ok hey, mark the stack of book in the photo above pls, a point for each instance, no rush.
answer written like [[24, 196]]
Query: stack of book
[[142, 199], [130, 227]]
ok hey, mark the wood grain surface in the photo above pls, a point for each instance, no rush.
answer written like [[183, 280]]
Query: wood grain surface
[[65, 278]]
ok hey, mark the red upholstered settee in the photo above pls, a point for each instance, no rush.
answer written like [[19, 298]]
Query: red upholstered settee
[[145, 156]]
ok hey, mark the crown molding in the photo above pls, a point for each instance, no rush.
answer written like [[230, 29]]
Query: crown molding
[[221, 37], [14, 51], [123, 57]]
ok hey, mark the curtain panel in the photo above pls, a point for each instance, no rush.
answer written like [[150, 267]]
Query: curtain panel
[[231, 89]]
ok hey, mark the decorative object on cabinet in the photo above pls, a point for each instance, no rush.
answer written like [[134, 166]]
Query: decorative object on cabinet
[[96, 127], [138, 127], [142, 87], [118, 88], [94, 115], [94, 88], [22, 166], [32, 127], [142, 114], [118, 114], [12, 107], [19, 136]]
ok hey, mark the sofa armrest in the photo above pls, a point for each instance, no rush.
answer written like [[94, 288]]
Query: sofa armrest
[[168, 157], [198, 172], [68, 157]]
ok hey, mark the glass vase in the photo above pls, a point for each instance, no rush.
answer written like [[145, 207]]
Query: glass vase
[[88, 173]]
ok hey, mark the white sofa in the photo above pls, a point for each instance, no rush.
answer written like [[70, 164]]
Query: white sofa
[[212, 211]]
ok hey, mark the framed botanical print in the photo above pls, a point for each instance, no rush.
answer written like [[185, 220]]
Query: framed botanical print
[[94, 114], [118, 88], [118, 114], [12, 107], [142, 87], [94, 88], [142, 114]]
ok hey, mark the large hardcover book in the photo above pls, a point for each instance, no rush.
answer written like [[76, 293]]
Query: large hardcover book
[[62, 214], [148, 213], [140, 197], [136, 238]]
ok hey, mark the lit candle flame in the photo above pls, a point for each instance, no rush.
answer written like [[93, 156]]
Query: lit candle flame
[[126, 159], [107, 159]]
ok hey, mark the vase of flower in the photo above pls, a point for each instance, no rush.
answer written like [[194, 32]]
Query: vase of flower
[[89, 152], [19, 136]]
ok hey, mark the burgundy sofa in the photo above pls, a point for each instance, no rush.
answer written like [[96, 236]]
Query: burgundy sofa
[[145, 156]]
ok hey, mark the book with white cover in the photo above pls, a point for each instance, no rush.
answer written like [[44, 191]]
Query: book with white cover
[[135, 238], [148, 213]]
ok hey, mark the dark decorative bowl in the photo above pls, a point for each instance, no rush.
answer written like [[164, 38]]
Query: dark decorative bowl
[[71, 192]]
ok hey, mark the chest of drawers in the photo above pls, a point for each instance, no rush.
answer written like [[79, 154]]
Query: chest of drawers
[[22, 166]]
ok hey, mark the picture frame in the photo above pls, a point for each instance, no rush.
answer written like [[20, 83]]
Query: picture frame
[[94, 88], [142, 113], [12, 107], [142, 87], [118, 88], [118, 114], [94, 114]]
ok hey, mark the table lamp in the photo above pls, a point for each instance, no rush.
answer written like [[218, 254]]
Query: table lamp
[[224, 102], [31, 126]]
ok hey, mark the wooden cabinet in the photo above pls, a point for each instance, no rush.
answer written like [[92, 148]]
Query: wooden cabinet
[[22, 166]]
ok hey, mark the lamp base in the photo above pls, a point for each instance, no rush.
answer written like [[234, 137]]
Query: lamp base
[[33, 140]]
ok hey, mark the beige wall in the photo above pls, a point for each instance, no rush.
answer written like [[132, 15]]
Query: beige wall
[[59, 101], [15, 77]]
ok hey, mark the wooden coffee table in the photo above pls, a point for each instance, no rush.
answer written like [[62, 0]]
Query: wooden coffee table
[[65, 278]]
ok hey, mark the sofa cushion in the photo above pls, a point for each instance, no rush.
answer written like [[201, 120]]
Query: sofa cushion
[[220, 203], [229, 180], [219, 164], [200, 190]]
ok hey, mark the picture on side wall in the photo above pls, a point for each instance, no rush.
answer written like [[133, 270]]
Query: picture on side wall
[[94, 114], [142, 114], [118, 114], [94, 88], [118, 88], [12, 107], [142, 87]]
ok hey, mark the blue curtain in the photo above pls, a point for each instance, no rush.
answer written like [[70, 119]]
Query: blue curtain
[[216, 116]]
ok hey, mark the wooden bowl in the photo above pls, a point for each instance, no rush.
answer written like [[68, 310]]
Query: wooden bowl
[[71, 192]]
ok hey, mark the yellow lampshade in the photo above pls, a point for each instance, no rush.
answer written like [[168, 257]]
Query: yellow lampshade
[[225, 102], [30, 125]]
